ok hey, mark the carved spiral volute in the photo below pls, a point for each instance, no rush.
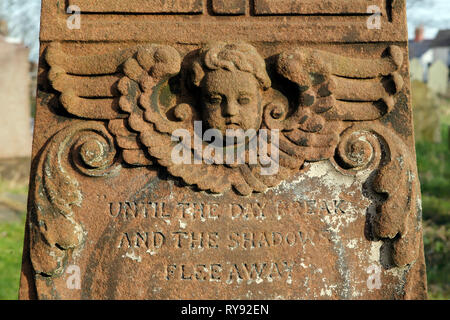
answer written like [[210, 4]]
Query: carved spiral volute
[[358, 150], [95, 153]]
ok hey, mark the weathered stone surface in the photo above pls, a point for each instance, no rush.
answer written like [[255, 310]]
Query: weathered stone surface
[[229, 6], [330, 208], [283, 7], [140, 6]]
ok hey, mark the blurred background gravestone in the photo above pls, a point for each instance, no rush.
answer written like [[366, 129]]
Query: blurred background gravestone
[[15, 132], [416, 70], [438, 77], [426, 113], [15, 129]]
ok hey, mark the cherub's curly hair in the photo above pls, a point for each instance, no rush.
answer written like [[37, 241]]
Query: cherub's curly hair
[[229, 56]]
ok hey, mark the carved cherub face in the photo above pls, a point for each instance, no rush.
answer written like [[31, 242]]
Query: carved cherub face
[[231, 79], [231, 100]]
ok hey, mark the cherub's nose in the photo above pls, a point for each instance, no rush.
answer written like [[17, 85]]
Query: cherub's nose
[[230, 109]]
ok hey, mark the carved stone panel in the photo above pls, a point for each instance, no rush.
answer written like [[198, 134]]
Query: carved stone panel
[[235, 7], [222, 164], [286, 7], [139, 6]]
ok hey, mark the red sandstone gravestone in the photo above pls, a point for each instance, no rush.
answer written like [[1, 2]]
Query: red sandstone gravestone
[[327, 208]]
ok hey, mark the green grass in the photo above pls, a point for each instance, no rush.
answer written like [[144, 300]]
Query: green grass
[[11, 242], [433, 162], [12, 187], [437, 255]]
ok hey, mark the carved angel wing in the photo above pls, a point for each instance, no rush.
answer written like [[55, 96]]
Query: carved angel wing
[[91, 87], [333, 90]]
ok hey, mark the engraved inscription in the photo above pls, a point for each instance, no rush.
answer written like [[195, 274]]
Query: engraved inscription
[[212, 211], [210, 240], [188, 233], [232, 272]]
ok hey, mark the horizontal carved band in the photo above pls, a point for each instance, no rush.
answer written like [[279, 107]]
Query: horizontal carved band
[[281, 7], [140, 6], [235, 7]]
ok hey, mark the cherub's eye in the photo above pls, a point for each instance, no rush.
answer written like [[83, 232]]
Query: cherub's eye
[[244, 100], [215, 100]]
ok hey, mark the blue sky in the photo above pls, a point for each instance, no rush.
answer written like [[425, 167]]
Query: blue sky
[[433, 14]]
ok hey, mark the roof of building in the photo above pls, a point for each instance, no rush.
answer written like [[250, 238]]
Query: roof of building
[[442, 39], [417, 49]]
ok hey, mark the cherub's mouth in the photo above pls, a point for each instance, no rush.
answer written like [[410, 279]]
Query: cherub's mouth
[[231, 122], [233, 125]]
